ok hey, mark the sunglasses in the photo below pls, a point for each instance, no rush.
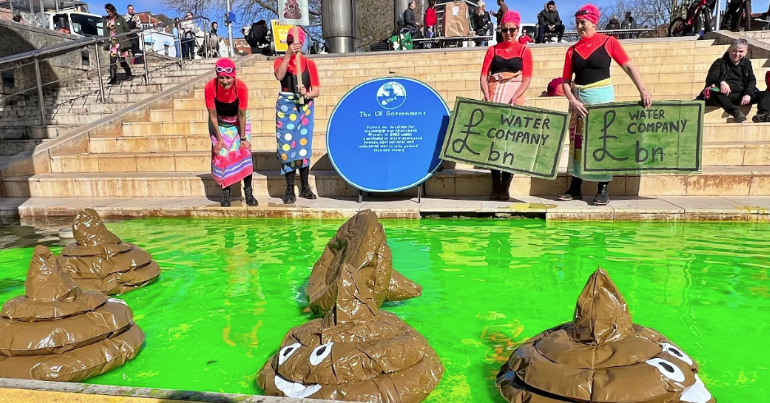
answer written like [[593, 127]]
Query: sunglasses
[[583, 12], [507, 30], [228, 70]]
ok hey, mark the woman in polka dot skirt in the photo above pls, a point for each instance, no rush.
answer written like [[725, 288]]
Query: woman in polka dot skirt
[[294, 115]]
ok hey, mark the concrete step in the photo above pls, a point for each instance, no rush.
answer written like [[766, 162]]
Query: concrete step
[[162, 144], [180, 161], [714, 181], [194, 159]]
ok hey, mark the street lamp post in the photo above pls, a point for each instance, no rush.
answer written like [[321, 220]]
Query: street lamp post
[[230, 29]]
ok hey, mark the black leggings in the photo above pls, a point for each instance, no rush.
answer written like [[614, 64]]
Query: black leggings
[[501, 176], [304, 175], [246, 183]]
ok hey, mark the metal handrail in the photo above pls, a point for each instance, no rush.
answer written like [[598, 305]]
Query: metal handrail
[[79, 43], [96, 41]]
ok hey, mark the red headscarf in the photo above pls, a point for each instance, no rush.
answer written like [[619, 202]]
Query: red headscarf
[[512, 16], [223, 65], [589, 12], [300, 34]]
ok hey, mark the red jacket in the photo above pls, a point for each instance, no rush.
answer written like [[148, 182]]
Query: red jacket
[[525, 39], [430, 17]]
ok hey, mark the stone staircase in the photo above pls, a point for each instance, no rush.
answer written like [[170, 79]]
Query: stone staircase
[[165, 151], [77, 103]]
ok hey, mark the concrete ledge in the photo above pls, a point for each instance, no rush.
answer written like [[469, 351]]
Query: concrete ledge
[[55, 211], [26, 391]]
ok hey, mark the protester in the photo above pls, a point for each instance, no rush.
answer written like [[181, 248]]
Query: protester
[[227, 100], [589, 60], [119, 47], [188, 30], [482, 23], [731, 83], [294, 115], [18, 18], [526, 38], [134, 24], [214, 28], [503, 8], [505, 77], [548, 20]]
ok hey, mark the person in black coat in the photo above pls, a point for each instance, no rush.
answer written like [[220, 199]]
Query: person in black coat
[[730, 83], [410, 22], [548, 20]]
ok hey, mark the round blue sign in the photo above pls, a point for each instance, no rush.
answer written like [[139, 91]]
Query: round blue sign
[[385, 135]]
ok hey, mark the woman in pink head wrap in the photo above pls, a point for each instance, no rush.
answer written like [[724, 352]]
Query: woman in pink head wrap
[[227, 99], [294, 115], [505, 77], [589, 61]]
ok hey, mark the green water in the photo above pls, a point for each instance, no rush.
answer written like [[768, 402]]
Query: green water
[[230, 290]]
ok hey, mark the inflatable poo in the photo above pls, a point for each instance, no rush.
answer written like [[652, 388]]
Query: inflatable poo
[[361, 243], [101, 261], [56, 332], [354, 353], [601, 356]]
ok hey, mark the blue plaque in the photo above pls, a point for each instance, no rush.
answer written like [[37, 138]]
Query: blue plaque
[[385, 135]]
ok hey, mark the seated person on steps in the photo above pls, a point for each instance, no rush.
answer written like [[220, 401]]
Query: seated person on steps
[[731, 83], [548, 21]]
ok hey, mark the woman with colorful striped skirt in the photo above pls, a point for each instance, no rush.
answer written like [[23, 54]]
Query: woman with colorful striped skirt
[[294, 115], [230, 129], [589, 60]]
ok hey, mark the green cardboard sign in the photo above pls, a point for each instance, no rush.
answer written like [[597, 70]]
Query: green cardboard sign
[[509, 138], [625, 138]]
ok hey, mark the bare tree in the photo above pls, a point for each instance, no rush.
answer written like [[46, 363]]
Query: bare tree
[[656, 14]]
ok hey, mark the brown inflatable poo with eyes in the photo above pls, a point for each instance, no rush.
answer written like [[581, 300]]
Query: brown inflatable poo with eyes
[[101, 261], [354, 353], [361, 243], [601, 356], [56, 332]]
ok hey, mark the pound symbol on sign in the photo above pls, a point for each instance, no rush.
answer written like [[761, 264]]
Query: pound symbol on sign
[[458, 145]]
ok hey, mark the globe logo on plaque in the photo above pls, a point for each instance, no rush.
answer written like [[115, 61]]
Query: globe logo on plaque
[[391, 95]]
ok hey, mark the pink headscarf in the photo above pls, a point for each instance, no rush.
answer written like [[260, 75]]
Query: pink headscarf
[[300, 33], [225, 63], [589, 12], [511, 16]]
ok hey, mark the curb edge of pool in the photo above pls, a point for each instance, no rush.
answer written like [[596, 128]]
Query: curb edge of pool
[[23, 391]]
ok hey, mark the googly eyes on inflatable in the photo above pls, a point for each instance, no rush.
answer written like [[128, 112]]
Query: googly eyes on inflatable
[[676, 352], [287, 352], [321, 352], [667, 369]]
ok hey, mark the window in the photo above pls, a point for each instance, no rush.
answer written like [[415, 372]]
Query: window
[[87, 25]]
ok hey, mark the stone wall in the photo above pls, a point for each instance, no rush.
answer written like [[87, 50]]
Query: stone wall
[[19, 38]]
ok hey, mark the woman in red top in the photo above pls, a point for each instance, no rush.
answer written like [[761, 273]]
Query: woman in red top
[[294, 115], [430, 19], [505, 77], [589, 61], [227, 99]]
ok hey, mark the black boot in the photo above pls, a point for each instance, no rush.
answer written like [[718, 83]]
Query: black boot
[[289, 197], [306, 192], [226, 202], [250, 200], [574, 192], [505, 186], [495, 195], [602, 198]]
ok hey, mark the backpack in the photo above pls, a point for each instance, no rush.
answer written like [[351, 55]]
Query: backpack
[[554, 87]]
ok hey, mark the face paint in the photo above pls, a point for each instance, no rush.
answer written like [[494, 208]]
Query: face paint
[[601, 356]]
